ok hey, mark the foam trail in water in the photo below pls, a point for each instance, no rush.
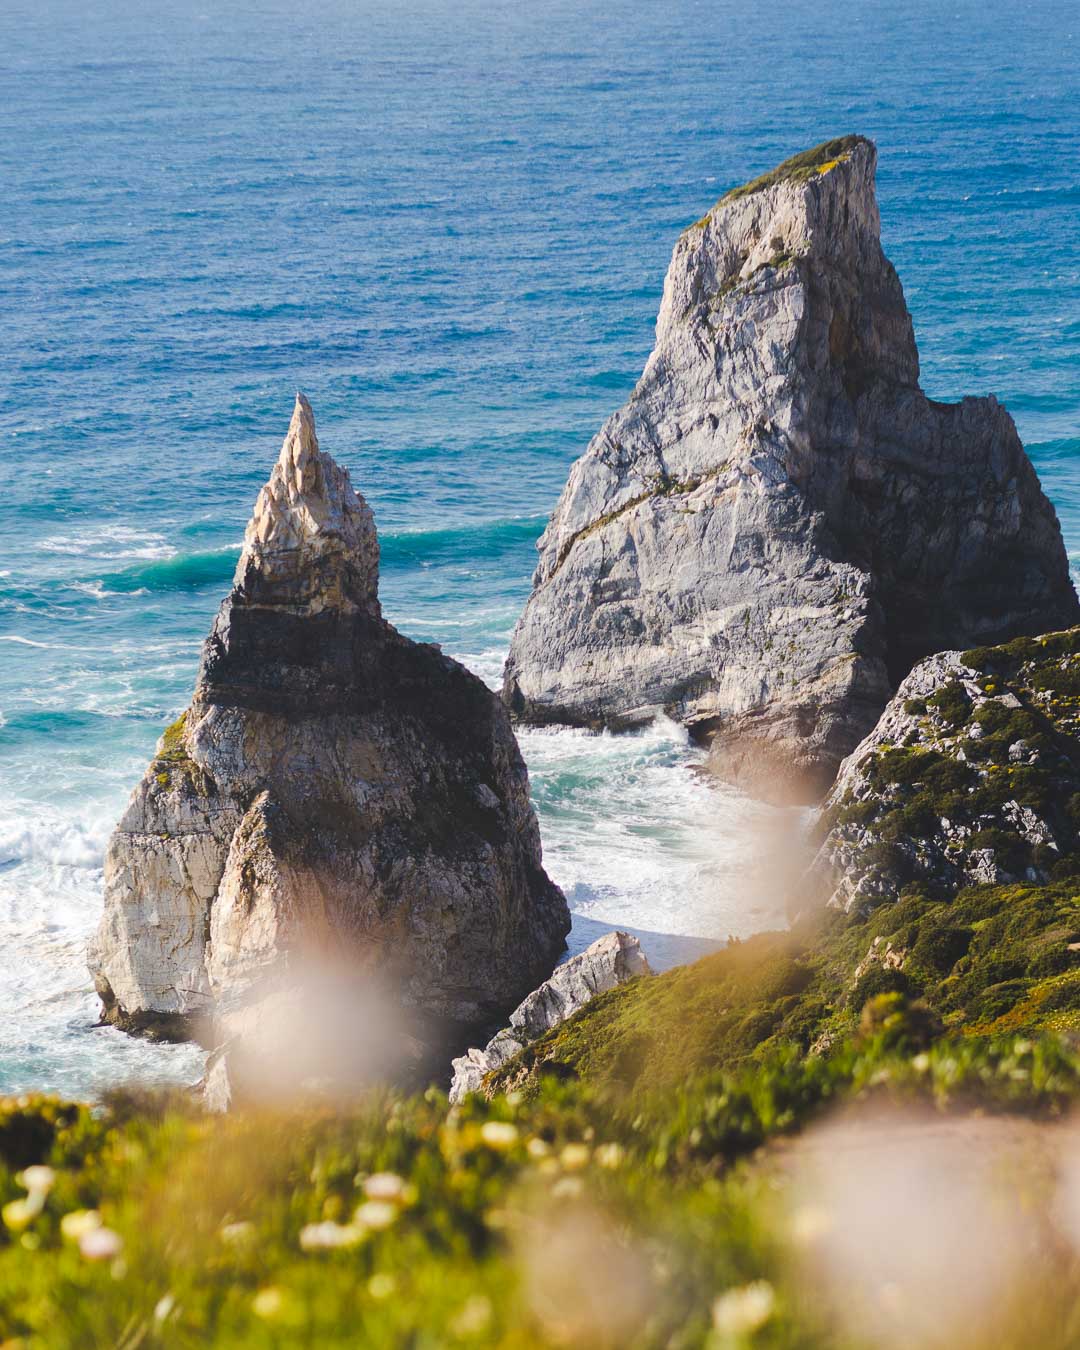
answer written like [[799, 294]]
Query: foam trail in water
[[48, 909], [639, 836]]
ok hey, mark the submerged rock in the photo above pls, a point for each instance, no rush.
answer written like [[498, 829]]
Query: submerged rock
[[779, 522], [611, 960], [335, 792], [972, 775]]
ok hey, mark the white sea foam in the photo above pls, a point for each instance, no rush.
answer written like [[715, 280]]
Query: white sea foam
[[50, 1041], [640, 837], [487, 664], [99, 591], [30, 832], [110, 543]]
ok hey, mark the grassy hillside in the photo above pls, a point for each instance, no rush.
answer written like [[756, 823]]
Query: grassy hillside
[[993, 959], [846, 1135], [563, 1219]]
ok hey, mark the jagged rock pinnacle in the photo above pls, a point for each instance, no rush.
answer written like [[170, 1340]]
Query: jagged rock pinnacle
[[311, 541]]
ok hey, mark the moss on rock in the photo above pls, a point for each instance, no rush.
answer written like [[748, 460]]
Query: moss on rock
[[800, 168]]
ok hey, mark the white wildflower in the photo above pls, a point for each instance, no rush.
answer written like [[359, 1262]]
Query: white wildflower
[[574, 1157], [609, 1155], [38, 1180], [499, 1134], [740, 1312], [326, 1236], [268, 1303], [375, 1214], [78, 1223], [384, 1186], [17, 1214], [100, 1244]]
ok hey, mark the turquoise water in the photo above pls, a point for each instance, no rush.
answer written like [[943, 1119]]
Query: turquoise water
[[449, 225]]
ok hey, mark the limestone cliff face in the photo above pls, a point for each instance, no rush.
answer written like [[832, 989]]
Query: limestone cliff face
[[778, 523], [333, 788], [972, 775]]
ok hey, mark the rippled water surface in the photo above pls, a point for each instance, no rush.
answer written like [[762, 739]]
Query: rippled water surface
[[448, 224]]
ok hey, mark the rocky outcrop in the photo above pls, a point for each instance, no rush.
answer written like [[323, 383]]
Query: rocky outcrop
[[971, 776], [779, 523], [610, 960], [334, 792]]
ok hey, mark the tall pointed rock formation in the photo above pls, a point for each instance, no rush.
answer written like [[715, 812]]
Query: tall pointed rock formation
[[778, 523], [333, 789]]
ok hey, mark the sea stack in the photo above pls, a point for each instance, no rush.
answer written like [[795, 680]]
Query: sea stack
[[779, 523], [334, 789]]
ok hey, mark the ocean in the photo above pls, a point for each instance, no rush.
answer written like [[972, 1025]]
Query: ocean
[[448, 224]]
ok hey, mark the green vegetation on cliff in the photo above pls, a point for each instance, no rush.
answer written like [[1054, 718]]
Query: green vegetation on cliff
[[801, 167], [978, 780], [673, 1166], [557, 1219], [798, 168], [990, 960]]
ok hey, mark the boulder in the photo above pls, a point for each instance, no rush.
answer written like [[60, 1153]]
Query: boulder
[[971, 776], [610, 961]]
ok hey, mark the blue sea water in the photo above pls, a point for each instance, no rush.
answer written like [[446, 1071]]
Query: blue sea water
[[448, 224]]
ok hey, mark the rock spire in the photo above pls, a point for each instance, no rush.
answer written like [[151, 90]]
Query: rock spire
[[333, 789]]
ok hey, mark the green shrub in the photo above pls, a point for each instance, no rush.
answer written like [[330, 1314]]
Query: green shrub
[[1064, 997], [878, 981], [1049, 962], [998, 999], [893, 1022], [952, 704], [940, 945], [1011, 852]]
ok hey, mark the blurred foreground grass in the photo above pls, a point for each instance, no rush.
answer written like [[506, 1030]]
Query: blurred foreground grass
[[725, 1211]]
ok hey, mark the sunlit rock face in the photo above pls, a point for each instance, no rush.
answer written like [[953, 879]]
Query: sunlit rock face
[[609, 961], [779, 523], [334, 790]]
